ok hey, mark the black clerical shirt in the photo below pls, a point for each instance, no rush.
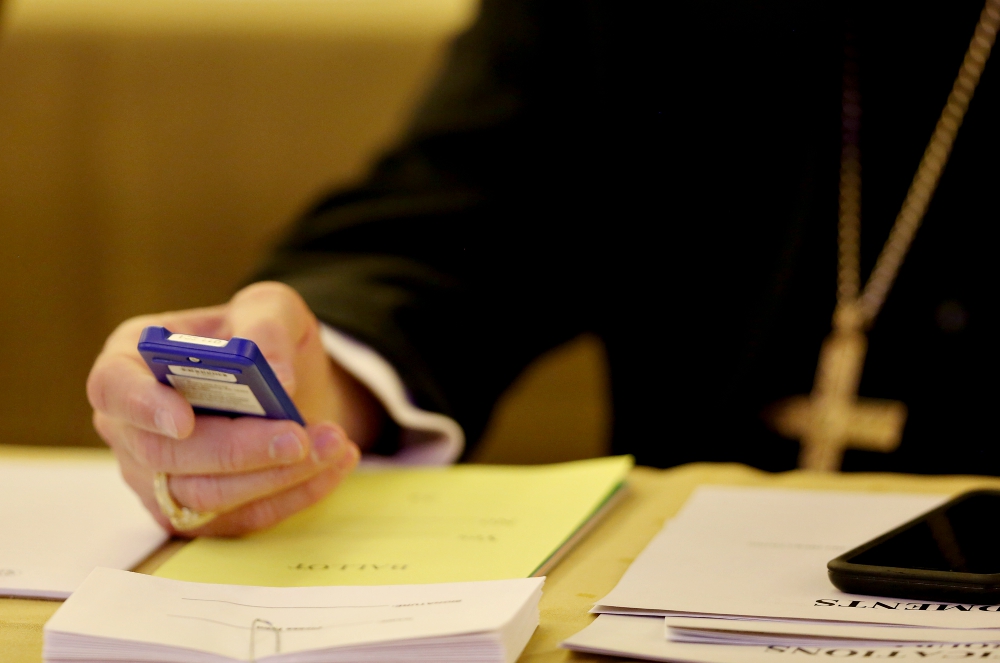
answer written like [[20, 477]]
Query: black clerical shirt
[[665, 175]]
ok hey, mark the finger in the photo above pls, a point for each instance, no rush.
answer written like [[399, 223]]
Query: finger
[[275, 317], [226, 492], [121, 385], [217, 445], [140, 480], [272, 510], [223, 493]]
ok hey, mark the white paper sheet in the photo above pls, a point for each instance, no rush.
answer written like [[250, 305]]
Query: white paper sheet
[[222, 620], [60, 520], [756, 632], [763, 553], [642, 637]]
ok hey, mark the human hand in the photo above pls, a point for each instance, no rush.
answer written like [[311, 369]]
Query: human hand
[[255, 472]]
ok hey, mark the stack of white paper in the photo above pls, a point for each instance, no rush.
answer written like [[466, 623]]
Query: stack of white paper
[[643, 637], [746, 568], [121, 616], [62, 519], [810, 633]]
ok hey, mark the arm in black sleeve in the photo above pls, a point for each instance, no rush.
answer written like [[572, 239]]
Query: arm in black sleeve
[[448, 260]]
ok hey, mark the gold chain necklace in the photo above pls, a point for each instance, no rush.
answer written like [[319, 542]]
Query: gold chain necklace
[[832, 417]]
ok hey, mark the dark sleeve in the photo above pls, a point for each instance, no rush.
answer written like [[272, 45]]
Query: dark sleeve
[[443, 260]]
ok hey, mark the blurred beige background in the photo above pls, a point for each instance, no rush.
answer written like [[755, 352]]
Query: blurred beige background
[[150, 152]]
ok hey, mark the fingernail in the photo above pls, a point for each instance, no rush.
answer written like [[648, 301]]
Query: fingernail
[[287, 448], [165, 423], [327, 444]]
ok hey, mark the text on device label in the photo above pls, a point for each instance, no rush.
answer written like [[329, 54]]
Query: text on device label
[[217, 395], [204, 373], [198, 340]]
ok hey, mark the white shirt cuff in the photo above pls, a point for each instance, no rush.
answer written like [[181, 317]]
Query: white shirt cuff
[[426, 438]]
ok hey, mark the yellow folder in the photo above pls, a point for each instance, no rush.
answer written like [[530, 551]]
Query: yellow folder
[[402, 526]]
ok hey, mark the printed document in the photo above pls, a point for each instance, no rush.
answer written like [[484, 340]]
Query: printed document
[[61, 519], [758, 631], [116, 615], [404, 526], [763, 553], [642, 637]]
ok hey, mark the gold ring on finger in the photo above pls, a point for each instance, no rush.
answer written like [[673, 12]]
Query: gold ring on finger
[[181, 518]]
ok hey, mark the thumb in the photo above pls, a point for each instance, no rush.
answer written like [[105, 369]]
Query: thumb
[[273, 316]]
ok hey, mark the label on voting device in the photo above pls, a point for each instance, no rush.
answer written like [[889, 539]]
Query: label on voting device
[[204, 373], [217, 395], [198, 340]]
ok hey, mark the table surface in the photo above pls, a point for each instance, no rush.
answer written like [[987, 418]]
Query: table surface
[[586, 574]]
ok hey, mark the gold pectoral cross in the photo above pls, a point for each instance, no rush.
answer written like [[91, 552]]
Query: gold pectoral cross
[[832, 418]]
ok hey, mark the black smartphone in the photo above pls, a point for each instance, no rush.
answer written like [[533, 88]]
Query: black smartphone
[[951, 553]]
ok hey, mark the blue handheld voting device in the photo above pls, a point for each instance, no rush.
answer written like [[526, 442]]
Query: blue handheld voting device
[[217, 376]]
